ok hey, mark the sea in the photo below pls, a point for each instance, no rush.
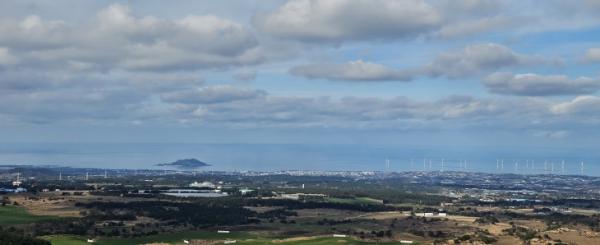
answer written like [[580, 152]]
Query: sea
[[320, 157]]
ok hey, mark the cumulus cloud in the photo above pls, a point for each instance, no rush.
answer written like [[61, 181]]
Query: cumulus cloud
[[478, 58], [580, 104], [470, 27], [358, 112], [351, 71], [471, 61], [338, 21], [540, 85], [592, 55], [344, 20], [115, 39]]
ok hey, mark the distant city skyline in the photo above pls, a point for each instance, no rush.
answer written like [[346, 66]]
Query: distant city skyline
[[454, 73]]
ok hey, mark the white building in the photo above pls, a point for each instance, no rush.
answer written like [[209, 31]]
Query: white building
[[205, 184]]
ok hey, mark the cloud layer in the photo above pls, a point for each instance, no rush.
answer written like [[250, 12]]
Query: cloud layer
[[114, 39], [540, 85], [473, 60], [473, 63], [344, 20], [352, 71]]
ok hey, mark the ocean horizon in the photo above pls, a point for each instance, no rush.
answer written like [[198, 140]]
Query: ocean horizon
[[320, 157]]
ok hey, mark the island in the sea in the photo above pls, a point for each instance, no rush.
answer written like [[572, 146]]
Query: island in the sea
[[185, 163]]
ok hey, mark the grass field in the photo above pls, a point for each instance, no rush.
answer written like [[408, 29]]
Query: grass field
[[14, 215], [177, 239], [174, 238], [357, 200]]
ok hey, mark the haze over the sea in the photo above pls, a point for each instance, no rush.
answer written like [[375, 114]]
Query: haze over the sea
[[272, 157]]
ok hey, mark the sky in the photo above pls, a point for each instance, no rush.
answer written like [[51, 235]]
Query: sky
[[416, 72]]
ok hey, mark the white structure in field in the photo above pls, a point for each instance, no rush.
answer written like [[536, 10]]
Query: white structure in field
[[18, 181], [245, 191], [223, 232], [205, 184], [339, 235], [431, 214]]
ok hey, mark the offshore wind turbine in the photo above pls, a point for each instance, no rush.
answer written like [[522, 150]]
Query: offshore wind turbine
[[442, 164], [387, 164]]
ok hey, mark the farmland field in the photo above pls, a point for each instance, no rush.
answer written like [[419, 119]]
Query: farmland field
[[14, 215], [177, 239]]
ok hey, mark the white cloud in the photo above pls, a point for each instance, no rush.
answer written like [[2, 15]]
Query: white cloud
[[470, 27], [479, 58], [115, 39], [581, 104], [592, 55], [351, 71], [540, 85], [472, 61], [345, 20]]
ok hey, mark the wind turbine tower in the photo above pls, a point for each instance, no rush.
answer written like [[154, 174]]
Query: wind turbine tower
[[387, 164], [442, 164]]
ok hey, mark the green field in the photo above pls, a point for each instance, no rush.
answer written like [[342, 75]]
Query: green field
[[356, 200], [177, 239], [14, 215], [174, 238]]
